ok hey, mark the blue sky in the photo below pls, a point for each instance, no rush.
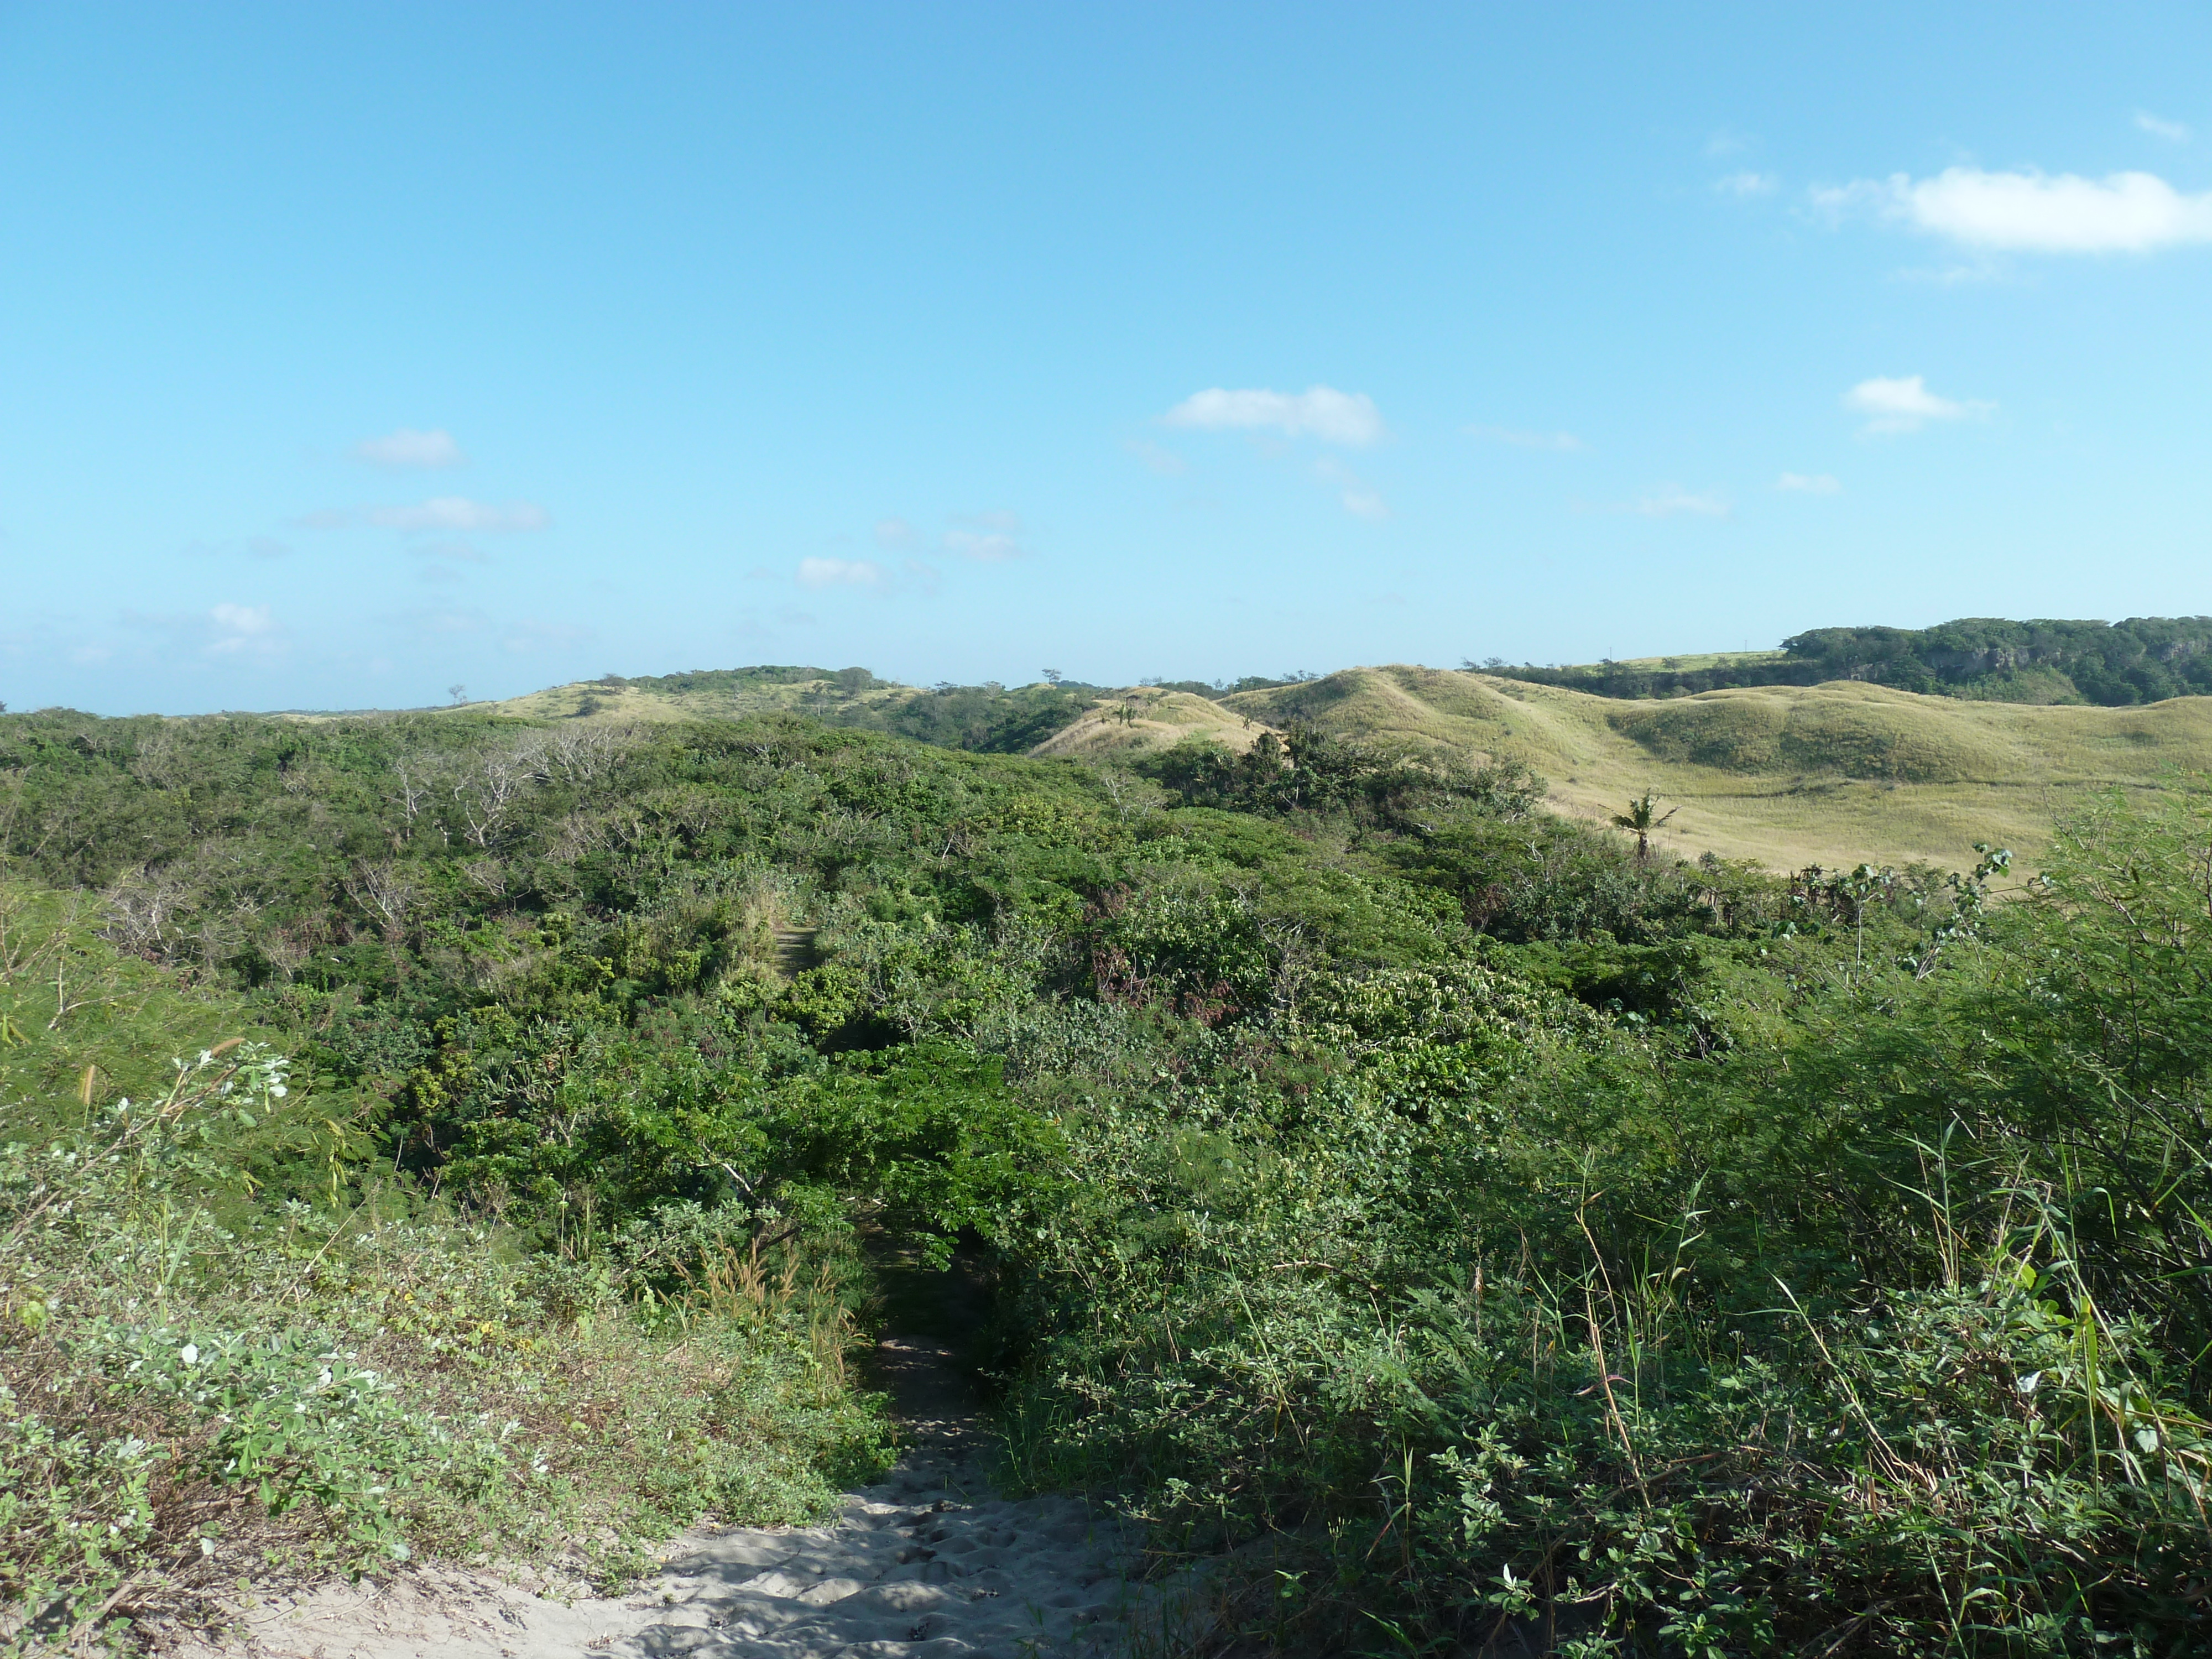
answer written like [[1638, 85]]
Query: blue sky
[[347, 353]]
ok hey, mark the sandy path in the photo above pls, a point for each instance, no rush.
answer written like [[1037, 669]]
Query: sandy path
[[924, 1563]]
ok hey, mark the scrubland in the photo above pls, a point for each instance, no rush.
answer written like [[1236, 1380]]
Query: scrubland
[[1464, 1231]]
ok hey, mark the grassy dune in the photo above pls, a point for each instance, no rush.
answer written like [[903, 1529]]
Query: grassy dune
[[1146, 717], [596, 701], [1788, 775]]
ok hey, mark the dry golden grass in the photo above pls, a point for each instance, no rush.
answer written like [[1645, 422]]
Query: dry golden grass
[[1146, 717], [1789, 775]]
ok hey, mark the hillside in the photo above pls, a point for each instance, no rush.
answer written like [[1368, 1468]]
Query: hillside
[[717, 694], [1789, 775], [1831, 774], [988, 719], [2111, 664], [1145, 718]]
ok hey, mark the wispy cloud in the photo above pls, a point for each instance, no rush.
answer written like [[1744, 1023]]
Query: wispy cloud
[[839, 573], [1356, 496], [458, 512], [440, 620], [893, 534], [1165, 462], [452, 512], [1749, 183], [1809, 484], [456, 552], [2174, 131], [532, 636], [1727, 142], [1906, 404], [1671, 501], [1320, 411], [990, 547], [988, 538], [1565, 442], [242, 629], [408, 447], [2028, 211], [256, 547]]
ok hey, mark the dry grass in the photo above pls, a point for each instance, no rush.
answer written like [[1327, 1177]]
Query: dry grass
[[1788, 775], [1146, 717]]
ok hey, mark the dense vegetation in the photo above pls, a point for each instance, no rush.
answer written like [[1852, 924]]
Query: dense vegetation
[[2142, 659], [1472, 1229], [990, 719]]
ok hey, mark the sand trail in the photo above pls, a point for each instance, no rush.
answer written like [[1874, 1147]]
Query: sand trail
[[924, 1564]]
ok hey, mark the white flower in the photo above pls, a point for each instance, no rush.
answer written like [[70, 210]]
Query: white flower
[[189, 1353]]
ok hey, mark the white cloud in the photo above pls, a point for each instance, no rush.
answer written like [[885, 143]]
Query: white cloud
[[1323, 412], [1565, 442], [991, 547], [1809, 484], [1727, 142], [2173, 129], [1749, 183], [242, 618], [458, 512], [895, 533], [1906, 403], [839, 573], [2035, 212], [241, 628], [1671, 500], [1358, 498], [990, 538], [1165, 462], [408, 447]]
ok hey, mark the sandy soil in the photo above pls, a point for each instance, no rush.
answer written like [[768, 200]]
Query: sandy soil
[[926, 1562]]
